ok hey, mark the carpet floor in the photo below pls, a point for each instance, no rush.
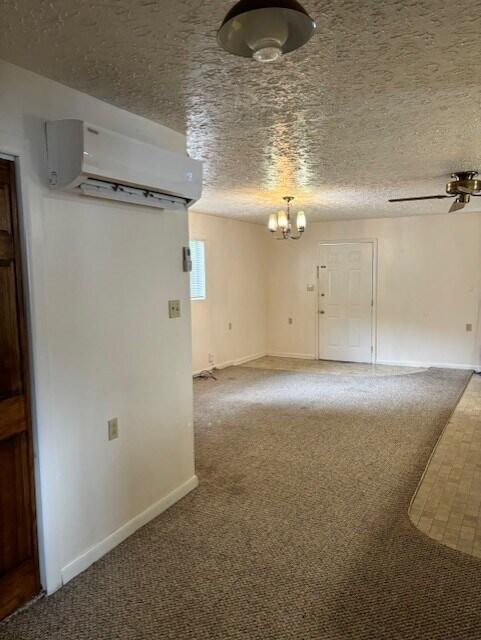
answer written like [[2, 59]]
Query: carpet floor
[[329, 366], [299, 529]]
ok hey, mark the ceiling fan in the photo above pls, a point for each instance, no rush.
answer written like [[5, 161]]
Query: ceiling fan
[[464, 185]]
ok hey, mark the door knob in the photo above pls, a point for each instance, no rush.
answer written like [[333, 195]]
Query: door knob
[[321, 312]]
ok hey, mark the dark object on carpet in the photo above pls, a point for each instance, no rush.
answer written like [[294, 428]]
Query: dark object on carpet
[[206, 374], [299, 529]]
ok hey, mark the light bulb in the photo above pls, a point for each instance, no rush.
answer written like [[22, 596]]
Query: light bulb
[[301, 221], [272, 224], [266, 34], [282, 220], [267, 54]]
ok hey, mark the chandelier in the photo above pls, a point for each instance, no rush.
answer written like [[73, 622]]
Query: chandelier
[[281, 221]]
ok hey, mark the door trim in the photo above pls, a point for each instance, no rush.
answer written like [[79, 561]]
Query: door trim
[[18, 149], [374, 243], [16, 588]]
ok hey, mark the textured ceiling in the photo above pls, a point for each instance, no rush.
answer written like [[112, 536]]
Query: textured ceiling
[[384, 101]]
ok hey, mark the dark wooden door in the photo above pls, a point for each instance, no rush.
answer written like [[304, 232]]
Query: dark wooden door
[[19, 579]]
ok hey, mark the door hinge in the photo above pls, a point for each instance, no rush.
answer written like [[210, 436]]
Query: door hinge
[[372, 303], [317, 272]]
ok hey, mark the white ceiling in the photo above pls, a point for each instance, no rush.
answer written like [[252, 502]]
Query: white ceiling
[[384, 101]]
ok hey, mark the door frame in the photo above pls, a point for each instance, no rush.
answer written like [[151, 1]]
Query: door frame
[[17, 150], [374, 244]]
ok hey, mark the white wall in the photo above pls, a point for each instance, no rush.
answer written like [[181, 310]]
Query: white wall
[[429, 288], [236, 276], [100, 275]]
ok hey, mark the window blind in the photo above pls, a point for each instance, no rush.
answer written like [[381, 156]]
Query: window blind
[[197, 275]]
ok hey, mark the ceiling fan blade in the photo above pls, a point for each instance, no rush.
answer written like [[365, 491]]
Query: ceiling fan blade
[[456, 206], [438, 197]]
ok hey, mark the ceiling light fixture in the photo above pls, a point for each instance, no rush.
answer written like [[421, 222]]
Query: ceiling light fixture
[[281, 221], [265, 29]]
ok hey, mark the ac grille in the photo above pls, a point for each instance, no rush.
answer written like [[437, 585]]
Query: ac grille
[[133, 195]]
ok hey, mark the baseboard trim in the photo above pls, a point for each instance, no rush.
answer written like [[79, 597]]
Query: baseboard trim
[[255, 356], [98, 550], [236, 363], [231, 363], [396, 363], [301, 356], [209, 368], [426, 365]]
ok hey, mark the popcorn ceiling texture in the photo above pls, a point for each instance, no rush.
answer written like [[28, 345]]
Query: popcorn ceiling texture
[[383, 101]]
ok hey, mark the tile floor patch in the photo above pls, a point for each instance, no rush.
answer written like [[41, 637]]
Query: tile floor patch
[[447, 504]]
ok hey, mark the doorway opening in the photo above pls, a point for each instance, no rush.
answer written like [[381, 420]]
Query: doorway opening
[[347, 301]]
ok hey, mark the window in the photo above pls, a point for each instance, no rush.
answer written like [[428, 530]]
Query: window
[[197, 275]]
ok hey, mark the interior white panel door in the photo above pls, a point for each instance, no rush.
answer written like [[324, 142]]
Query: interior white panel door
[[346, 301]]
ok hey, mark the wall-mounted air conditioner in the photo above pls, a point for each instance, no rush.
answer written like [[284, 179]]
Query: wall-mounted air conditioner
[[93, 161]]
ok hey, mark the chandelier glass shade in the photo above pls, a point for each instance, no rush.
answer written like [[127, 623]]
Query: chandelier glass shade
[[281, 223], [265, 29]]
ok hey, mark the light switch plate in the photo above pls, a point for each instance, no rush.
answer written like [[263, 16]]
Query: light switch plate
[[174, 308], [113, 426]]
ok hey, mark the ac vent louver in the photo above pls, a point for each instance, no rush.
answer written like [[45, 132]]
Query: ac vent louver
[[132, 195]]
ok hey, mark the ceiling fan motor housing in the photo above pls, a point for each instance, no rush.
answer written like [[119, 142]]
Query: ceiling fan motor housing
[[465, 183]]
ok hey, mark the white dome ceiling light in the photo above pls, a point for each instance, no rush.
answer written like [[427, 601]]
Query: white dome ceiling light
[[265, 29]]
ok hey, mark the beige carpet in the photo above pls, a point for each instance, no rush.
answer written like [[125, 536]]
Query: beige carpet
[[330, 366], [298, 531]]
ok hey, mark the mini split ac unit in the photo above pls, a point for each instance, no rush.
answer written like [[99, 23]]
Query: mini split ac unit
[[93, 161]]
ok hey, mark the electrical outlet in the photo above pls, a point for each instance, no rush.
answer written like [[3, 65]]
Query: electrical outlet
[[174, 308], [230, 326], [113, 428], [469, 327], [211, 358]]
